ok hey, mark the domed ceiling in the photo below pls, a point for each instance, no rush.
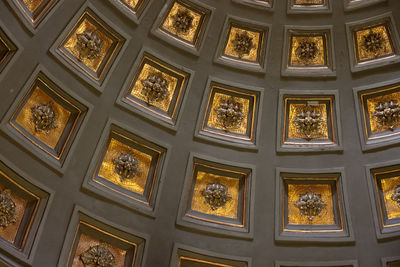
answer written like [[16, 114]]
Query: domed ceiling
[[200, 133]]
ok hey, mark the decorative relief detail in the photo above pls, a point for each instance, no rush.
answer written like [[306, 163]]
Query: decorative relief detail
[[374, 43], [243, 44], [126, 166], [155, 87], [230, 113], [98, 256], [7, 209], [182, 21], [307, 51], [396, 195], [387, 114], [44, 117], [308, 122], [310, 205], [89, 45], [216, 195]]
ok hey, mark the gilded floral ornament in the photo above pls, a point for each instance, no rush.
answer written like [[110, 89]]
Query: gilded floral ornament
[[89, 45], [310, 205], [7, 209], [126, 166], [216, 195], [307, 51], [308, 122], [182, 21], [396, 195], [387, 113], [242, 44], [98, 256], [230, 113], [44, 117], [374, 43], [155, 87]]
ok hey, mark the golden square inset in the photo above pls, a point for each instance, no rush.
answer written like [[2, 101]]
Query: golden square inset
[[216, 101], [85, 242], [375, 126], [147, 70], [387, 49], [202, 178], [32, 5], [39, 97], [190, 36], [320, 59], [327, 214], [139, 182], [294, 109], [90, 25], [388, 187], [257, 38], [131, 3], [10, 232]]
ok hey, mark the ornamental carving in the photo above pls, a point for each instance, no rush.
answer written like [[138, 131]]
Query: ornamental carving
[[155, 87], [310, 205], [89, 45], [98, 256], [182, 21], [230, 113], [44, 117], [242, 44], [387, 113], [216, 195], [126, 166], [308, 122], [7, 209], [374, 43], [307, 51], [396, 195]]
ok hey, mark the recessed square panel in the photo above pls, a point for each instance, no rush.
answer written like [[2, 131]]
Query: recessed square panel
[[185, 256], [308, 51], [230, 114], [391, 262], [183, 23], [45, 118], [23, 205], [311, 207], [356, 4], [378, 114], [216, 196], [7, 50], [384, 184], [309, 6], [155, 89], [261, 4], [243, 44], [89, 46], [126, 168], [133, 9], [92, 239], [308, 122], [32, 12], [373, 42]]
